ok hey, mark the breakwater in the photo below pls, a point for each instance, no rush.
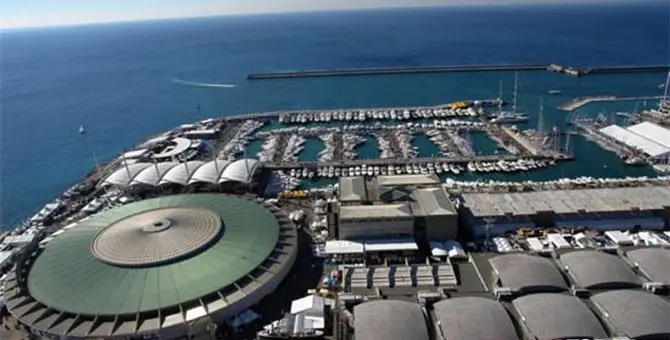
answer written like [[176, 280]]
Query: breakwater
[[579, 102], [457, 68]]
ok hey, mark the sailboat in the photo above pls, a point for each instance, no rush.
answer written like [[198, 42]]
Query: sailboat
[[506, 117], [81, 129]]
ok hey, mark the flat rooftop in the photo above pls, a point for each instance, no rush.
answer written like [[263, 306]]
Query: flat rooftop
[[364, 212], [579, 201]]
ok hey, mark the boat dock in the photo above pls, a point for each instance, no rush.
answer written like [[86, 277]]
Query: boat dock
[[576, 71], [581, 101], [403, 161]]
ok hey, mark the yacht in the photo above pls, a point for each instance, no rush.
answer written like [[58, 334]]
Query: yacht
[[555, 92], [507, 117]]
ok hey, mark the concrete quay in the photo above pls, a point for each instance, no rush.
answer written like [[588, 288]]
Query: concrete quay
[[577, 71], [579, 102], [403, 161]]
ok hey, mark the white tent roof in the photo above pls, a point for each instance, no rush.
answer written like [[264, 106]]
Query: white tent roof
[[181, 173], [135, 153], [240, 171], [153, 174], [208, 172], [181, 145], [634, 140], [125, 174], [344, 247], [653, 132]]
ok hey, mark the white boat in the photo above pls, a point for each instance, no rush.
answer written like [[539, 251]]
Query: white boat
[[81, 129], [555, 92]]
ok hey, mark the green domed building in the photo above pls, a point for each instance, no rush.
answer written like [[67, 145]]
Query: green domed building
[[168, 267]]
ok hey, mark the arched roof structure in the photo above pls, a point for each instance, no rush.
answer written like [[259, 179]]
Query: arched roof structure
[[181, 173], [592, 269], [389, 320], [180, 145], [124, 175], [525, 273], [635, 314], [652, 262], [240, 170], [209, 172], [473, 318], [557, 316], [153, 174]]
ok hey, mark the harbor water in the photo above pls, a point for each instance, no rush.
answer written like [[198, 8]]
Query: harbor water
[[127, 81]]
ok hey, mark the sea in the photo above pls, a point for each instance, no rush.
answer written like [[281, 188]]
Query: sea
[[126, 81]]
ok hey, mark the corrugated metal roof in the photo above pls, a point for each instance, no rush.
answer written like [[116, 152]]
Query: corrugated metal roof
[[653, 132], [558, 316], [635, 314], [635, 140], [375, 211], [389, 320]]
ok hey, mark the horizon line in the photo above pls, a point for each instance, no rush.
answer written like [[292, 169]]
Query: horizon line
[[402, 7]]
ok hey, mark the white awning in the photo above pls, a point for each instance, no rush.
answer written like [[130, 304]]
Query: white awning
[[181, 174], [240, 171], [344, 247], [390, 245]]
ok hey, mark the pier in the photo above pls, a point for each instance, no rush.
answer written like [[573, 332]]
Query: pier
[[581, 101], [403, 161], [577, 71]]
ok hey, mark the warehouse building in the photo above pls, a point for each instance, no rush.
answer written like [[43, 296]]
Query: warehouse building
[[637, 140], [522, 274], [652, 263], [605, 209], [634, 314], [653, 132], [434, 214], [590, 269], [167, 268], [389, 320], [472, 318], [362, 190], [556, 316], [376, 221]]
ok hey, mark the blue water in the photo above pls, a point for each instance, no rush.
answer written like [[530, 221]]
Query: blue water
[[426, 147], [119, 79], [483, 145], [311, 151]]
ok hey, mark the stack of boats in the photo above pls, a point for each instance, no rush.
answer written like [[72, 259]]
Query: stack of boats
[[362, 115], [349, 143], [407, 149], [328, 152], [240, 140], [560, 184], [507, 166], [273, 144], [463, 145]]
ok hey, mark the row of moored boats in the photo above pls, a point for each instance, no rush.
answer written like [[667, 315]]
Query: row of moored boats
[[363, 115]]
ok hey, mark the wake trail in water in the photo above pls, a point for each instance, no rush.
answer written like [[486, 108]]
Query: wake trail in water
[[193, 83]]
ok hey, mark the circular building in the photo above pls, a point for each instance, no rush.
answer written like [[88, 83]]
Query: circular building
[[168, 267]]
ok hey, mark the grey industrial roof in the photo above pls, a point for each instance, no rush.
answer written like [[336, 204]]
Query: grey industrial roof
[[557, 316], [635, 314], [352, 189], [382, 211], [473, 318], [527, 273], [568, 201], [408, 180], [432, 202], [595, 269], [652, 262], [389, 320]]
